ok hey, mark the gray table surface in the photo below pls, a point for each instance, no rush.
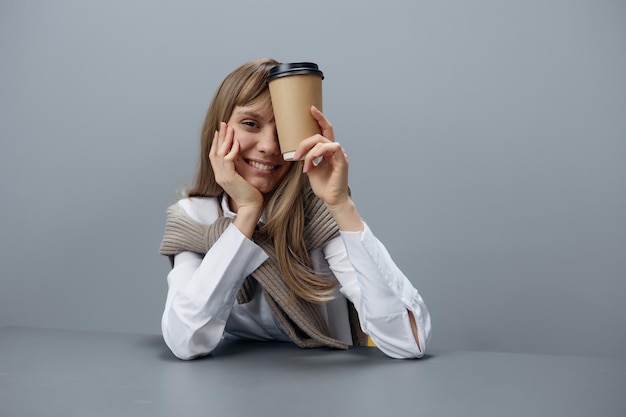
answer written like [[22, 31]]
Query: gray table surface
[[72, 373]]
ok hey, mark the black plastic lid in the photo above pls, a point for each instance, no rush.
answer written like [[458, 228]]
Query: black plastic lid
[[294, 68]]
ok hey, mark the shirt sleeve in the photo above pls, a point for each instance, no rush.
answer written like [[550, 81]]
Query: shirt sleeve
[[202, 291], [382, 295]]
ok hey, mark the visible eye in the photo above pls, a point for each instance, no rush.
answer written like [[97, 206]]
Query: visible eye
[[250, 124]]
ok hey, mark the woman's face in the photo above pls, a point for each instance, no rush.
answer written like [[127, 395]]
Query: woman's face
[[260, 161]]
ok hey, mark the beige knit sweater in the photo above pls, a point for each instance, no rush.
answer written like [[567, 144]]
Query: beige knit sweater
[[301, 319]]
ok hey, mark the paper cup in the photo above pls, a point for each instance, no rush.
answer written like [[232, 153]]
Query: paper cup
[[294, 88]]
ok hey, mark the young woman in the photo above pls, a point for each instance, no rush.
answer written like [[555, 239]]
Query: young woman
[[267, 249]]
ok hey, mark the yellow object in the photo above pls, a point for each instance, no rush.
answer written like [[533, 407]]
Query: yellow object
[[370, 342]]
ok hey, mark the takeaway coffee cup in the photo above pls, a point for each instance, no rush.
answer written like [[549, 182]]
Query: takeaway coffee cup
[[294, 88]]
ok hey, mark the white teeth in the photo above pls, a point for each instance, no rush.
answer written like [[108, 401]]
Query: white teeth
[[263, 167]]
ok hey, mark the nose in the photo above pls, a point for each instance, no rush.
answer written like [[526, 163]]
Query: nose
[[268, 141]]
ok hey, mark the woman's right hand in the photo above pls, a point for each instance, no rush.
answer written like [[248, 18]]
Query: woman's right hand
[[245, 199]]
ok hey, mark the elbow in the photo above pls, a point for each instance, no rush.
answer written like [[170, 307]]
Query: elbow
[[408, 350], [186, 355], [187, 343], [404, 336], [421, 333], [182, 354], [187, 348]]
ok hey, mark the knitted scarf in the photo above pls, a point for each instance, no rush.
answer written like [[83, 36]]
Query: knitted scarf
[[300, 319]]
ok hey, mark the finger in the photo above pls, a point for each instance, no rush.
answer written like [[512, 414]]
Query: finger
[[213, 150], [234, 151], [325, 126], [307, 144], [321, 150], [311, 155], [227, 135], [220, 138]]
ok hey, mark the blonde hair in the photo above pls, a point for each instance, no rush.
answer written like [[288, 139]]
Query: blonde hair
[[284, 206]]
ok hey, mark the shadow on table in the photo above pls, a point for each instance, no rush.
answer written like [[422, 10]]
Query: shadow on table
[[284, 352]]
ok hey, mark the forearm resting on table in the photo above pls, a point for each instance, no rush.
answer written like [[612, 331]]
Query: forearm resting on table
[[348, 220]]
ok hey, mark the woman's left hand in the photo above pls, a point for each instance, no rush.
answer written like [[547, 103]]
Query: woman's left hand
[[329, 177]]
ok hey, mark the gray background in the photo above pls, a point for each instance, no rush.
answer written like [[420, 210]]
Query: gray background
[[487, 143]]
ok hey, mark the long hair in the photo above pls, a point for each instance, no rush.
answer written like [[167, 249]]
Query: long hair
[[284, 206]]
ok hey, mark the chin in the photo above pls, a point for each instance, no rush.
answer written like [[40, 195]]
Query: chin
[[265, 188]]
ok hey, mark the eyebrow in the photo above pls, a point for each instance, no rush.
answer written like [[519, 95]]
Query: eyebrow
[[253, 114]]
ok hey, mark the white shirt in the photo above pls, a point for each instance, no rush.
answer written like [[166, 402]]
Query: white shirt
[[201, 308]]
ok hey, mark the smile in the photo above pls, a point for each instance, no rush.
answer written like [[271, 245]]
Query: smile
[[261, 166]]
